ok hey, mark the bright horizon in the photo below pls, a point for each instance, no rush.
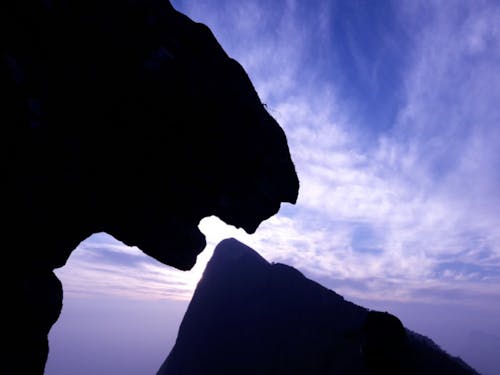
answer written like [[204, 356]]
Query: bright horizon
[[392, 118]]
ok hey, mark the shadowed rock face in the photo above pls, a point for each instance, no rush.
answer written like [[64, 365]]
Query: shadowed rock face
[[248, 316], [385, 343], [129, 118]]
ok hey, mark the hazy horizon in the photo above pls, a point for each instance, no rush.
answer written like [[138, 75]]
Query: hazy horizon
[[115, 321]]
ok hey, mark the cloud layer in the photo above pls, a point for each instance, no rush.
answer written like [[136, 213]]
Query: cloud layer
[[402, 205]]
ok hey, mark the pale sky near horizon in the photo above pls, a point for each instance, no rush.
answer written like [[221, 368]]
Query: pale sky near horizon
[[391, 109]]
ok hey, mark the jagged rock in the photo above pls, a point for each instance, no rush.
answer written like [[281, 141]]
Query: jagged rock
[[124, 117], [248, 316]]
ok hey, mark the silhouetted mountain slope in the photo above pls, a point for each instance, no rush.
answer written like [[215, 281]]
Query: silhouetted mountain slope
[[123, 117], [248, 316]]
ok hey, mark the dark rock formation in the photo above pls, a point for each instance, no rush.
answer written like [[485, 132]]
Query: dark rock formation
[[384, 343], [251, 317], [121, 116]]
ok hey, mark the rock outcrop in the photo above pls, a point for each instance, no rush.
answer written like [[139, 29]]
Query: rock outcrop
[[248, 316], [124, 117]]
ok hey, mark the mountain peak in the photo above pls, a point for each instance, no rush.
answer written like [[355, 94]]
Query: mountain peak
[[248, 316], [233, 251]]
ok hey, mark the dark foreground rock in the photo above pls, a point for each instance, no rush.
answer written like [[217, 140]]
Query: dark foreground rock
[[126, 117], [248, 316]]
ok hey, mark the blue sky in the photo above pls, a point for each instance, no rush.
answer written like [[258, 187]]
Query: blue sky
[[392, 114]]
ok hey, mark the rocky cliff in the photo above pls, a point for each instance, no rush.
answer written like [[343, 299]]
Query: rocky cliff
[[248, 316], [124, 117]]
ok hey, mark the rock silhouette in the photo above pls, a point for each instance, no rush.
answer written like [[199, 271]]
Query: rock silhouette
[[248, 316], [124, 117]]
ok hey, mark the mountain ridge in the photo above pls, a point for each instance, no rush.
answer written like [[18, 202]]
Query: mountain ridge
[[249, 316]]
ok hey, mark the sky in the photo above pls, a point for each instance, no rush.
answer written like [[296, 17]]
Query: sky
[[391, 110]]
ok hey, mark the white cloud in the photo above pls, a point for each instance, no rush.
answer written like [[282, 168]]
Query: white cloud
[[429, 188], [422, 198], [104, 266]]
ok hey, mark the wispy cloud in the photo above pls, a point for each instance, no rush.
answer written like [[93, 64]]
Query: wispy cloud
[[101, 265], [427, 189], [407, 212]]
